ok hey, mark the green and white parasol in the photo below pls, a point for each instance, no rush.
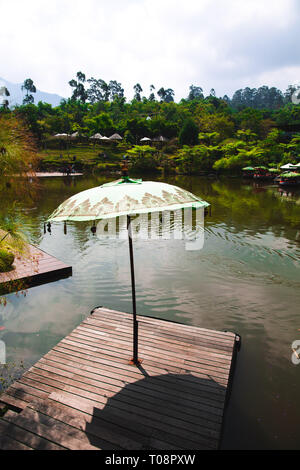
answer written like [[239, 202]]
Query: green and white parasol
[[128, 197]]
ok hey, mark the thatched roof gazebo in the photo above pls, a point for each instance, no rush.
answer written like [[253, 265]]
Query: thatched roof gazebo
[[115, 137], [96, 136]]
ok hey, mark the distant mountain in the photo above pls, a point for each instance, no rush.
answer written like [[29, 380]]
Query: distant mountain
[[17, 95]]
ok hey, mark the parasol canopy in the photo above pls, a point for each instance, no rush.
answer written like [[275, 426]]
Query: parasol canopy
[[122, 197], [128, 197], [289, 166]]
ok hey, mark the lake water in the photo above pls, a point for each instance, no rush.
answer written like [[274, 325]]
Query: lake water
[[246, 279]]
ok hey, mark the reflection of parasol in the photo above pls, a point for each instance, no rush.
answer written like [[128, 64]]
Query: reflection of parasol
[[126, 197], [74, 135], [61, 136]]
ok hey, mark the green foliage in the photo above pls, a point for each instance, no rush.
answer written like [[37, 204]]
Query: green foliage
[[192, 160], [6, 260], [143, 158], [17, 149], [189, 133], [256, 125]]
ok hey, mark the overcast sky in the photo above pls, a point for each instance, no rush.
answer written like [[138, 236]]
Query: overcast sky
[[220, 44]]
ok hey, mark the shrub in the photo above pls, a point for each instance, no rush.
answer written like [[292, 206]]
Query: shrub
[[6, 260]]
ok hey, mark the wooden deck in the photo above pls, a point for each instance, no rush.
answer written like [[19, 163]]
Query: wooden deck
[[35, 268], [84, 394], [45, 174]]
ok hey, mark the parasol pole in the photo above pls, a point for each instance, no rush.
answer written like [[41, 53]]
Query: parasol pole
[[135, 322]]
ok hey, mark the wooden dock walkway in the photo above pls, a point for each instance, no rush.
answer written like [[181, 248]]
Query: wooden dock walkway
[[85, 394], [52, 174], [34, 268]]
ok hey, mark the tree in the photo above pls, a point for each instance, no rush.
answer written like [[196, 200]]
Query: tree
[[196, 93], [4, 92], [138, 90], [95, 92], [116, 90], [79, 92], [216, 122], [142, 157], [166, 95], [189, 133], [191, 160], [28, 85], [152, 96], [290, 92], [17, 157]]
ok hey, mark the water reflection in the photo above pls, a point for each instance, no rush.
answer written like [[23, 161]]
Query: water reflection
[[245, 279]]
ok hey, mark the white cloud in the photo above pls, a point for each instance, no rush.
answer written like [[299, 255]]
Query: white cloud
[[170, 43]]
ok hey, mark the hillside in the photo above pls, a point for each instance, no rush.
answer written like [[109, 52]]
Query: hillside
[[17, 95]]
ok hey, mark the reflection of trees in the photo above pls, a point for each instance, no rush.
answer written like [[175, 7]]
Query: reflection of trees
[[241, 206], [261, 211], [36, 207], [236, 204]]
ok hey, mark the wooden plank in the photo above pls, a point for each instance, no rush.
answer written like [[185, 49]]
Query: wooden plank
[[85, 373], [84, 393], [8, 443], [150, 354], [146, 426], [129, 376], [185, 348], [157, 351], [12, 402], [36, 268], [80, 420], [123, 367], [101, 311], [26, 438], [157, 404], [204, 410], [170, 334], [148, 322], [220, 376], [55, 431]]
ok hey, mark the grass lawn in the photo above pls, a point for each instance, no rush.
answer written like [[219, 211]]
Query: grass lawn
[[87, 156]]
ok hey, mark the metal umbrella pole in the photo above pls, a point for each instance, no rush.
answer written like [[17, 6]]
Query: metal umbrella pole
[[135, 359]]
